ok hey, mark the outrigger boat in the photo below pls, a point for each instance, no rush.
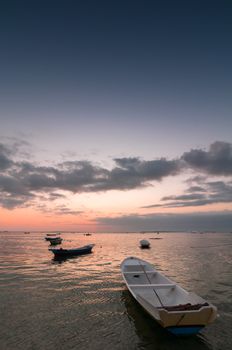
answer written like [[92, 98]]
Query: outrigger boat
[[175, 309]]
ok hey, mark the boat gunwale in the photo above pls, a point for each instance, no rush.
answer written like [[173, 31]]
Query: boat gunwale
[[154, 285]]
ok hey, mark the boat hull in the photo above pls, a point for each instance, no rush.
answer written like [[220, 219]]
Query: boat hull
[[144, 244], [185, 330], [72, 252], [175, 309]]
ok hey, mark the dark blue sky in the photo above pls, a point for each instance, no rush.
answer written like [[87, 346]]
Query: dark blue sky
[[114, 90], [165, 63], [127, 51]]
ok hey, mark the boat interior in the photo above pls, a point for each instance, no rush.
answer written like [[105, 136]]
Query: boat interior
[[145, 277], [156, 288]]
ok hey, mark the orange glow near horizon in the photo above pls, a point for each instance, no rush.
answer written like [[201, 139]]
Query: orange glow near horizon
[[80, 212], [29, 219]]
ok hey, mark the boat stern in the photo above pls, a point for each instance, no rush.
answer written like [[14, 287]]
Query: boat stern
[[187, 322]]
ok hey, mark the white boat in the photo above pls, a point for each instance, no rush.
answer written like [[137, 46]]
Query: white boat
[[144, 243], [179, 311]]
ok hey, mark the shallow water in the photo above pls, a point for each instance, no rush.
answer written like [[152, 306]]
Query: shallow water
[[82, 302]]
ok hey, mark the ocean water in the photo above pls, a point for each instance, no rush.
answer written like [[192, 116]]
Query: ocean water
[[82, 302]]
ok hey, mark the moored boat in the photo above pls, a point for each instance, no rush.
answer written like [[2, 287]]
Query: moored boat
[[175, 309], [144, 244], [55, 240], [51, 235], [72, 252]]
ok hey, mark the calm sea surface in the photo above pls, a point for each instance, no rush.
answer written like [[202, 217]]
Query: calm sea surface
[[82, 303]]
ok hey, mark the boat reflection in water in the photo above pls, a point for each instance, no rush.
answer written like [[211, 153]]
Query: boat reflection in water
[[61, 259]]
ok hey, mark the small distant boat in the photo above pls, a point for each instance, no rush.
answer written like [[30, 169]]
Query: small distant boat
[[72, 252], [144, 244], [55, 240], [155, 238], [175, 309], [52, 234]]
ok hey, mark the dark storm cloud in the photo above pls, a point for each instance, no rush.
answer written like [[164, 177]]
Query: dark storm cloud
[[216, 161], [213, 221]]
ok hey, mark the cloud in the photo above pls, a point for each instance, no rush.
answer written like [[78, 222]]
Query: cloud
[[211, 192], [5, 161], [185, 197], [53, 196], [149, 170], [134, 173], [211, 221], [217, 161], [61, 210], [193, 189], [23, 181]]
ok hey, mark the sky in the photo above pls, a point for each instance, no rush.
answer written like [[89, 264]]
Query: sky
[[115, 115]]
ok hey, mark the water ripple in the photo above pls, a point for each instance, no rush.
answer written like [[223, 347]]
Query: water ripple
[[83, 303]]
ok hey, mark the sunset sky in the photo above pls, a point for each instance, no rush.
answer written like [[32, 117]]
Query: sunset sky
[[115, 115]]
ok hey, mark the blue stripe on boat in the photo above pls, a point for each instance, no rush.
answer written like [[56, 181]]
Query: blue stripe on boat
[[185, 330]]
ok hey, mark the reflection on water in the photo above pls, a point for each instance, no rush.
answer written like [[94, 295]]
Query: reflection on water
[[61, 259], [81, 302]]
